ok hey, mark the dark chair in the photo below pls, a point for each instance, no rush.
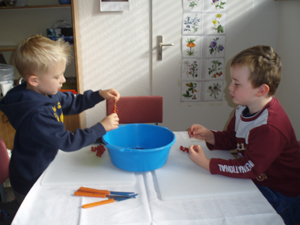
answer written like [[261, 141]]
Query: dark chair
[[138, 109]]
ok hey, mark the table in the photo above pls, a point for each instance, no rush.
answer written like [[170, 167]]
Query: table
[[55, 204]]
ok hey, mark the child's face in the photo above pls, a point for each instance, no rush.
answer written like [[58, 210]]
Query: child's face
[[241, 89], [51, 82]]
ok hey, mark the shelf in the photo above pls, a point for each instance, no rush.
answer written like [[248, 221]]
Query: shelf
[[9, 44], [35, 7], [7, 48], [14, 47]]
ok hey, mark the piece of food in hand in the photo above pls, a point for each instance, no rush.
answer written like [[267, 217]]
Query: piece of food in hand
[[115, 108]]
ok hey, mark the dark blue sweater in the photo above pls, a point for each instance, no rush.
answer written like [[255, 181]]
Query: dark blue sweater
[[40, 132]]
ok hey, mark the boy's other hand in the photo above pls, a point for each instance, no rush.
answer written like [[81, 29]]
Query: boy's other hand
[[110, 122], [198, 156], [110, 93], [199, 132]]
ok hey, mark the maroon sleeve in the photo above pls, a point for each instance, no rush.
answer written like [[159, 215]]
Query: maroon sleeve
[[265, 145], [224, 140]]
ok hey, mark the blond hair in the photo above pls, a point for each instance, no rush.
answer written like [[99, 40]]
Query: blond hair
[[37, 53], [264, 64]]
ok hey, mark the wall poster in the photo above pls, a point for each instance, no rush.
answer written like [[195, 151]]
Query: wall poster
[[203, 50], [114, 5]]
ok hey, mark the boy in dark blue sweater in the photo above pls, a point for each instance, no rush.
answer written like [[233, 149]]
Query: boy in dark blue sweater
[[36, 108]]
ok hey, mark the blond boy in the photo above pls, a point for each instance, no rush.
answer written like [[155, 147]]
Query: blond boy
[[36, 107]]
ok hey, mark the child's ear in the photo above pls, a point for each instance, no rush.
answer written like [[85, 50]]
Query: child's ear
[[32, 80], [263, 90]]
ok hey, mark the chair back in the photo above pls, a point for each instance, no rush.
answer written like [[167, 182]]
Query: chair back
[[138, 109], [4, 162]]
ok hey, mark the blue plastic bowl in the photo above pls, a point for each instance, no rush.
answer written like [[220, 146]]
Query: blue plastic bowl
[[139, 147]]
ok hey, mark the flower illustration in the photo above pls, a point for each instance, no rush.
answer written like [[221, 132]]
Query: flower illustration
[[217, 24], [214, 47], [193, 3], [193, 69], [214, 90], [185, 67], [190, 45], [191, 91], [218, 4], [213, 44], [213, 71], [191, 23]]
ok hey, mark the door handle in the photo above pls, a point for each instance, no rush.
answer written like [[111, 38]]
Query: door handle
[[160, 46]]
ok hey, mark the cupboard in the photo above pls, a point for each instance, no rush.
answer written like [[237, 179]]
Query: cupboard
[[34, 18]]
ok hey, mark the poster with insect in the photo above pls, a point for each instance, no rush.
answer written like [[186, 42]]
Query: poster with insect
[[192, 23], [214, 46], [192, 46], [193, 5], [191, 69], [215, 23], [215, 5], [213, 90], [214, 68], [190, 91]]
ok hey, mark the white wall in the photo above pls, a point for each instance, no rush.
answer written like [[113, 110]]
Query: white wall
[[249, 23], [289, 50], [115, 50]]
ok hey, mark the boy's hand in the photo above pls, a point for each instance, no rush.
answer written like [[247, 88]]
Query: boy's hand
[[110, 93], [110, 122], [201, 133], [197, 155]]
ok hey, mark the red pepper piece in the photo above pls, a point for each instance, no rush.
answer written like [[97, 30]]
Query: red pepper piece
[[115, 108], [184, 149], [100, 150]]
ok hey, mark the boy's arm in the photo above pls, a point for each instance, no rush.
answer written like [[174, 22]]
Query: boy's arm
[[224, 140], [48, 131], [74, 104], [266, 144]]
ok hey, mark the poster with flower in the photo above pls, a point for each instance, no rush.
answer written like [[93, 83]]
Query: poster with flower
[[214, 68], [213, 90], [190, 91], [191, 69], [203, 45], [192, 46], [193, 5], [215, 5], [215, 46], [215, 23], [192, 23]]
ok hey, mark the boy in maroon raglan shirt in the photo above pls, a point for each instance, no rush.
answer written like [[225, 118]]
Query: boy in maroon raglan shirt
[[260, 130]]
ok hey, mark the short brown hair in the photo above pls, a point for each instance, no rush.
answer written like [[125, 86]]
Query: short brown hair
[[36, 54], [264, 64]]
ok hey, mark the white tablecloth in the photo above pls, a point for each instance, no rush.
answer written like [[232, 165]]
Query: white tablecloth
[[57, 205]]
